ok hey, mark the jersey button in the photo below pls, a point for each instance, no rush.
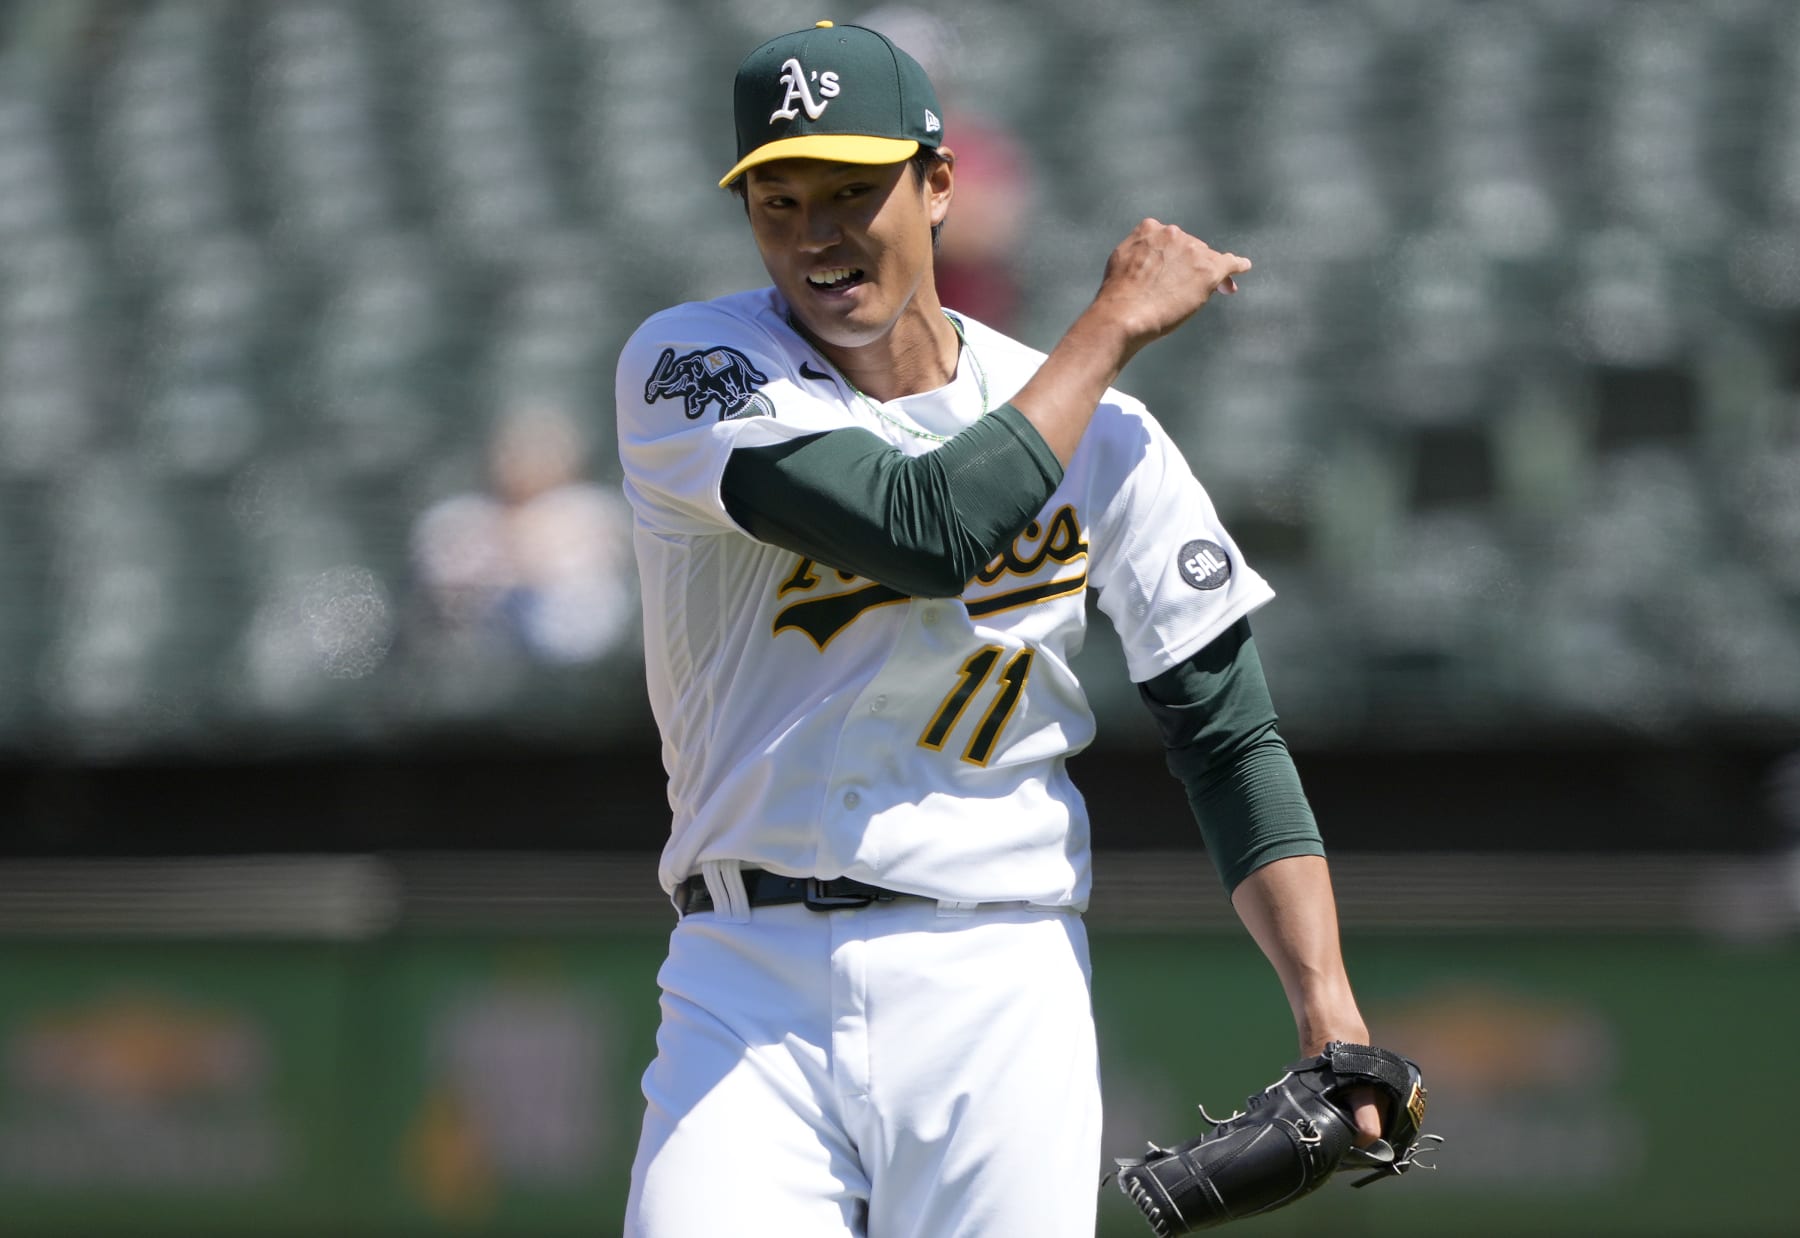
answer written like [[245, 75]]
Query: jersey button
[[851, 799], [878, 704], [930, 616]]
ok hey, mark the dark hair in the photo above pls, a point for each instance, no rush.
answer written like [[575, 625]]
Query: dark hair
[[922, 162]]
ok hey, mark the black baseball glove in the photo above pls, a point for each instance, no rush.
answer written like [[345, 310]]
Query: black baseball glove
[[1292, 1136]]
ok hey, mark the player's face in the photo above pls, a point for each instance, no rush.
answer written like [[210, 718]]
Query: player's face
[[848, 245]]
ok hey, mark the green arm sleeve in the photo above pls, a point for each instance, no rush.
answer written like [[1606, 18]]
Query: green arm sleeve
[[923, 525], [1218, 725]]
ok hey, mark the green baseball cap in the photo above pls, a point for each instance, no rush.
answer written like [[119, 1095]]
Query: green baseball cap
[[841, 93]]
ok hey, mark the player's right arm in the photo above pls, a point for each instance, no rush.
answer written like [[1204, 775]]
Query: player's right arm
[[1156, 279], [924, 525]]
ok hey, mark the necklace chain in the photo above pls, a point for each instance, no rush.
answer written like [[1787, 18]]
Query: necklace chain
[[980, 384]]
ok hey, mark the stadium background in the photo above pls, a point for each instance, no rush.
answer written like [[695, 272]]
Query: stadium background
[[327, 897]]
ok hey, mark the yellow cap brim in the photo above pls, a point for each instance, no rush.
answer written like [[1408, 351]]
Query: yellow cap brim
[[830, 147]]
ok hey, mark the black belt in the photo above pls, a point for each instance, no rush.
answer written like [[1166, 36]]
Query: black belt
[[768, 889]]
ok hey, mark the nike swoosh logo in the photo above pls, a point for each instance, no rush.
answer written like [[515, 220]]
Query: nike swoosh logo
[[806, 371]]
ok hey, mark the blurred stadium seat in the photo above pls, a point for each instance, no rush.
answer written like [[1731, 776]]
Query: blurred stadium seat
[[1510, 409]]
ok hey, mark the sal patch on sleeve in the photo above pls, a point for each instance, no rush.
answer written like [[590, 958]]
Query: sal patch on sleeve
[[707, 376], [1204, 564]]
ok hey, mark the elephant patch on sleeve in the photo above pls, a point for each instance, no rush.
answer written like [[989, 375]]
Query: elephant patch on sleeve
[[717, 375]]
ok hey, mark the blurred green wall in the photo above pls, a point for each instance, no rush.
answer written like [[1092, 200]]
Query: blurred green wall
[[485, 1084]]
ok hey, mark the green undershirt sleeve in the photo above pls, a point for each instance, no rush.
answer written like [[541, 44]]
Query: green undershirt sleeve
[[923, 525], [1218, 726]]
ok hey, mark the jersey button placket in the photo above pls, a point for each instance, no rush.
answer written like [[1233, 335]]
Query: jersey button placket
[[851, 799]]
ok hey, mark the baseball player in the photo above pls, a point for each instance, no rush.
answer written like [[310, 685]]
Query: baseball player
[[866, 526]]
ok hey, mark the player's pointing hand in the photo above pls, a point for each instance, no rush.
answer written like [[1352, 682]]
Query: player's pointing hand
[[1159, 276], [1155, 280]]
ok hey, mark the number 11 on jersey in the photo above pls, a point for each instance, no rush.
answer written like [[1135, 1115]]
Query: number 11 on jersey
[[969, 680]]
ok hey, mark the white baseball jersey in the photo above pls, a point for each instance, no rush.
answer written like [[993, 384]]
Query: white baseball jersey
[[815, 723]]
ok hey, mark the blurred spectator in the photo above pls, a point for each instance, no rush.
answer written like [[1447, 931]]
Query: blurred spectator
[[541, 562], [978, 251]]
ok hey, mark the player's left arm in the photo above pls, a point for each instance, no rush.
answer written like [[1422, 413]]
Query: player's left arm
[[1219, 728], [1290, 909]]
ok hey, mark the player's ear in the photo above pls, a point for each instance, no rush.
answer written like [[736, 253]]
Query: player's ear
[[940, 185]]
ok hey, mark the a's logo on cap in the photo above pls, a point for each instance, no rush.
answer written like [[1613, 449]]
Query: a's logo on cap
[[793, 79]]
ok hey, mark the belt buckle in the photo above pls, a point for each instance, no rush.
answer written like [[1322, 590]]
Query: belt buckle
[[816, 899]]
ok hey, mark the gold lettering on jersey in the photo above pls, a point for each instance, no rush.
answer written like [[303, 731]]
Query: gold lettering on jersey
[[823, 618], [1012, 685], [1059, 542], [803, 578], [1051, 543], [970, 679], [973, 674], [1055, 542], [1031, 595]]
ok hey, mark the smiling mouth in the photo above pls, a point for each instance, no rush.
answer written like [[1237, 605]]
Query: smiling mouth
[[835, 279]]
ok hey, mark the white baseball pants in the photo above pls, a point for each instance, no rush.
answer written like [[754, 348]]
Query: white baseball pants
[[879, 1072]]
